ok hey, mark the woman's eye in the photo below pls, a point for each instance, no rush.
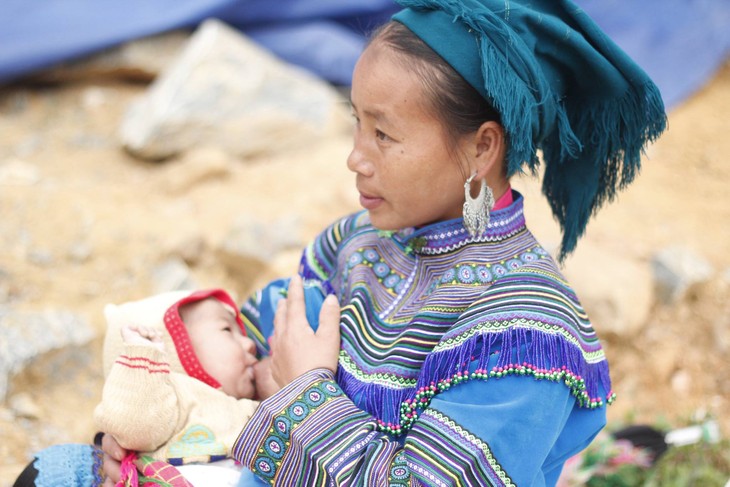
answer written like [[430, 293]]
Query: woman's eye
[[381, 135]]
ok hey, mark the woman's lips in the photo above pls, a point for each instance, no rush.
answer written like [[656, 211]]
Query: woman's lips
[[370, 202]]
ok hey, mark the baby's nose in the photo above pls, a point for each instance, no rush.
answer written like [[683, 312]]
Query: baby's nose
[[248, 345]]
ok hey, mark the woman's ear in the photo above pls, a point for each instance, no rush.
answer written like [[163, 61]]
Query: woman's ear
[[491, 150]]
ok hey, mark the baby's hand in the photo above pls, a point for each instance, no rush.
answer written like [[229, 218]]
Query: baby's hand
[[143, 335]]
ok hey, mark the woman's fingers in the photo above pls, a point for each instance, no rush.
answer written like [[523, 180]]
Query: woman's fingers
[[110, 447], [280, 318], [329, 319], [329, 331], [295, 302], [266, 385]]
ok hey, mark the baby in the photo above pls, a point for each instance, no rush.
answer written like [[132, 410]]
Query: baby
[[180, 379], [179, 388]]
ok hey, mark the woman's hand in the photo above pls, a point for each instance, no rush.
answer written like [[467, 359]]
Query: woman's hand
[[295, 348], [266, 386], [113, 455]]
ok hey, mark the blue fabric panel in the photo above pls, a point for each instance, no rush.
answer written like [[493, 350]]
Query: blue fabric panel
[[680, 43], [57, 30]]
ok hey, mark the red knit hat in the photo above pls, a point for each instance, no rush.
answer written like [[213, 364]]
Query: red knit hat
[[180, 337]]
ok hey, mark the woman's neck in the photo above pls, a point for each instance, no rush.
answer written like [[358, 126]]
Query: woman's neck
[[504, 199]]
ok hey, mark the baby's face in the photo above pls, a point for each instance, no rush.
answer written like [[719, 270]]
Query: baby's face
[[223, 351]]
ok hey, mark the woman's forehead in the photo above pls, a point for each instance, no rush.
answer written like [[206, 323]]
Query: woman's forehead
[[383, 86]]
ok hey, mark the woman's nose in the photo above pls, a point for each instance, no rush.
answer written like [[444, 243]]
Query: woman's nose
[[358, 161]]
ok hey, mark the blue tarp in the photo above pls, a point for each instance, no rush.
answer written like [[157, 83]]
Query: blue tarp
[[680, 43]]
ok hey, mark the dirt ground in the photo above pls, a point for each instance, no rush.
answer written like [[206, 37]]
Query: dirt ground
[[83, 224]]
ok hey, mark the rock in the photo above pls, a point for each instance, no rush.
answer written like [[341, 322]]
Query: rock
[[252, 245], [41, 257], [196, 167], [6, 415], [24, 406], [616, 290], [675, 270], [80, 252], [725, 276], [681, 382], [665, 361], [94, 98], [172, 275], [24, 335], [17, 172], [29, 145], [190, 248], [4, 286], [226, 91]]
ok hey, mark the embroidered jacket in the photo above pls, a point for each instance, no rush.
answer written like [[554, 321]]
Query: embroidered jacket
[[464, 361]]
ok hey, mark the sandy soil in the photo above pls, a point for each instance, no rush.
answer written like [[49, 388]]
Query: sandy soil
[[90, 222]]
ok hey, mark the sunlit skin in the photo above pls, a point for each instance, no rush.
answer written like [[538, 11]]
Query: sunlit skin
[[408, 173], [222, 349]]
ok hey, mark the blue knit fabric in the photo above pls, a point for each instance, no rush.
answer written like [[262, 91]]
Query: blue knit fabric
[[70, 465]]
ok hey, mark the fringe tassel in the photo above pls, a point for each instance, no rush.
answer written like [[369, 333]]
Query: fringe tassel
[[128, 476], [520, 352], [613, 136], [513, 99]]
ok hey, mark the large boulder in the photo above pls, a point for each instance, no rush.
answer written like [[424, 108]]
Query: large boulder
[[26, 335], [616, 290], [225, 91]]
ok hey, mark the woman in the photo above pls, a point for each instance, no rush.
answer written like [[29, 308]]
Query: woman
[[464, 356]]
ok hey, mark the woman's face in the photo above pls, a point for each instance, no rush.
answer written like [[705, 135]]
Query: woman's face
[[407, 174]]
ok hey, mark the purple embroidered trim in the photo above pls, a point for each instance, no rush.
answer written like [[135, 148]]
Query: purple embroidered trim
[[411, 408]]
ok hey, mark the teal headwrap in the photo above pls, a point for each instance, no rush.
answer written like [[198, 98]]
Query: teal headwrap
[[560, 85]]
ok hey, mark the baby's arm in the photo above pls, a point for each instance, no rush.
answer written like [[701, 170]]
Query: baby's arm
[[142, 335], [139, 406]]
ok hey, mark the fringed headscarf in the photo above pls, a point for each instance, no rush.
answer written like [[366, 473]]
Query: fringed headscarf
[[560, 85]]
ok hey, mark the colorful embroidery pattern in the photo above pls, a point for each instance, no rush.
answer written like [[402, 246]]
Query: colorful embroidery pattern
[[400, 475], [424, 454], [423, 311], [275, 445], [196, 443]]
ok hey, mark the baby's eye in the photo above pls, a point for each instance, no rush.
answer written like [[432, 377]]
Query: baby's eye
[[228, 329]]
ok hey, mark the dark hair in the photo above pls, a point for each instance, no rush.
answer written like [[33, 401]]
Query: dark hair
[[460, 107]]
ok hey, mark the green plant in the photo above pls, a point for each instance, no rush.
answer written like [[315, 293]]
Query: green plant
[[702, 464], [608, 462]]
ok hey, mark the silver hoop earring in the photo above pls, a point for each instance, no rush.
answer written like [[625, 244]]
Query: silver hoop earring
[[476, 210]]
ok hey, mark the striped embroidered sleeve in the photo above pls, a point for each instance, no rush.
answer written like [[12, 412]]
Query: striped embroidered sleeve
[[501, 433], [310, 433]]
